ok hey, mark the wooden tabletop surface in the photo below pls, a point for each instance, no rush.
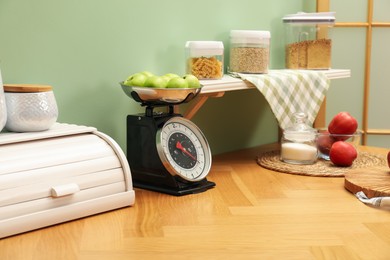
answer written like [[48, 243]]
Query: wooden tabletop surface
[[252, 213]]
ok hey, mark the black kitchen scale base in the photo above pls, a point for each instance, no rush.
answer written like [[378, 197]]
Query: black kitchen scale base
[[147, 170], [179, 191]]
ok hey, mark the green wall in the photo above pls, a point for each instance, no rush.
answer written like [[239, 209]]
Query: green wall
[[83, 48]]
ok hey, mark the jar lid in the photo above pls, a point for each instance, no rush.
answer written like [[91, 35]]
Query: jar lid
[[310, 18], [26, 88], [205, 48], [249, 36], [300, 131]]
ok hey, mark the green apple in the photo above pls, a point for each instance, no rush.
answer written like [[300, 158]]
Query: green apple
[[147, 73], [166, 78], [155, 82], [171, 75], [177, 83], [193, 82], [137, 79]]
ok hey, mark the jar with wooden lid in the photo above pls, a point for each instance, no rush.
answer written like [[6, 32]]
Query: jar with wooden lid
[[205, 59], [249, 51], [30, 108]]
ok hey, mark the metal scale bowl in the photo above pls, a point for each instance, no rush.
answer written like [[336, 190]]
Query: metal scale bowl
[[166, 152]]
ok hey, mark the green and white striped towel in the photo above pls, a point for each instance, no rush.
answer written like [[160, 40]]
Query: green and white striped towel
[[291, 91]]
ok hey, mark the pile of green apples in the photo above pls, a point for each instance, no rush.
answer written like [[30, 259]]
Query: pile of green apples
[[169, 80]]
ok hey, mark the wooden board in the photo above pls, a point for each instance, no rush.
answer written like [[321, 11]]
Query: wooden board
[[373, 181]]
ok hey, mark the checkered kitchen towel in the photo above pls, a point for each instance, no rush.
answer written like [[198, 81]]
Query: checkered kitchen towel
[[291, 91]]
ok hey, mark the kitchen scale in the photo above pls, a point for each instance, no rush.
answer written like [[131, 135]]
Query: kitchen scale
[[166, 152]]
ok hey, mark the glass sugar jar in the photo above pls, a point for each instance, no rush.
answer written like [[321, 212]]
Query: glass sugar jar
[[298, 143], [249, 51]]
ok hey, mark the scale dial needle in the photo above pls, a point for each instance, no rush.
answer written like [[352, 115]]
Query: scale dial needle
[[181, 148]]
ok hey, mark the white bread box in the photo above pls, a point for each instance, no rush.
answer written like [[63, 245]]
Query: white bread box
[[61, 174]]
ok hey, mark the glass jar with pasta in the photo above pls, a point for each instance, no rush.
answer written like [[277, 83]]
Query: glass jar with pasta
[[204, 59]]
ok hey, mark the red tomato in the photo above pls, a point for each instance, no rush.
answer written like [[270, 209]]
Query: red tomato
[[343, 123], [342, 154]]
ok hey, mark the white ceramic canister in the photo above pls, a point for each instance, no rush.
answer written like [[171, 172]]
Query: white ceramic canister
[[3, 108], [30, 108]]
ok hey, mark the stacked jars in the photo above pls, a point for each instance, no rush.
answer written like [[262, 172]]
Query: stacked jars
[[249, 51]]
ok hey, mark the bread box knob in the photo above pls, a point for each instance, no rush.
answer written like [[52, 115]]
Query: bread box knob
[[63, 190]]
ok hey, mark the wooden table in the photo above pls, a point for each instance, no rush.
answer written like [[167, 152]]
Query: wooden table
[[252, 213]]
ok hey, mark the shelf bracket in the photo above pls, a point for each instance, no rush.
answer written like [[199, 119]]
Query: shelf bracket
[[198, 102]]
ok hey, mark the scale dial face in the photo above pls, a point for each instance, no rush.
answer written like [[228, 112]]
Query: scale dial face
[[183, 149]]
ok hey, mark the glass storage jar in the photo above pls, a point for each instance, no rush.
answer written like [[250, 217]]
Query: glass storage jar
[[308, 43], [298, 143], [249, 51], [204, 59]]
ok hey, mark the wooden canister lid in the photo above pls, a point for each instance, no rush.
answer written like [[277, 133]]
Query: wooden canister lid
[[26, 88]]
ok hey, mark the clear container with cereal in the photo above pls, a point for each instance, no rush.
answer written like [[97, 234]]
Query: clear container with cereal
[[308, 43], [249, 51], [205, 59]]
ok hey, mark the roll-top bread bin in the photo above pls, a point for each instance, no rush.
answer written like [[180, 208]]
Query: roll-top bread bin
[[61, 174]]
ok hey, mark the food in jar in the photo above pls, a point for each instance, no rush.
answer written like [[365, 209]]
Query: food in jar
[[298, 152], [249, 51], [249, 59], [205, 67], [311, 54], [205, 59]]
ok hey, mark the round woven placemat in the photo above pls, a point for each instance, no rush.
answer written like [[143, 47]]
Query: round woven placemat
[[322, 168]]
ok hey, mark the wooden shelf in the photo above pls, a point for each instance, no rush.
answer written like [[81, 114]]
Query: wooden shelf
[[217, 88], [229, 83]]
